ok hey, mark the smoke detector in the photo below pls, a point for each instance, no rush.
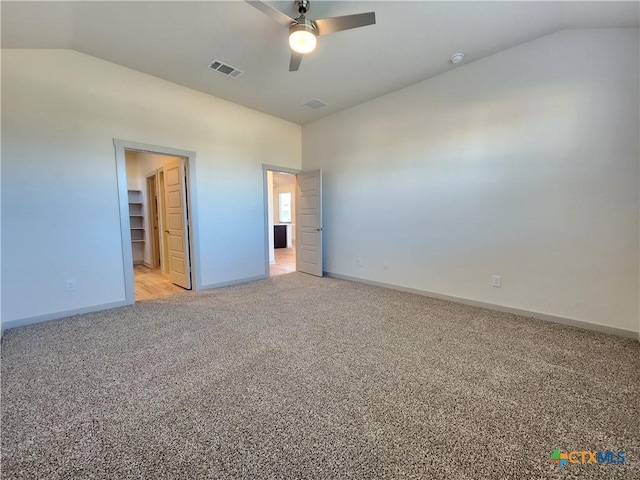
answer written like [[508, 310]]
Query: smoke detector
[[456, 57]]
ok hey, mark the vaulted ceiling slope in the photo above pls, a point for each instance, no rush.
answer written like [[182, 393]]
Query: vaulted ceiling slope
[[410, 42]]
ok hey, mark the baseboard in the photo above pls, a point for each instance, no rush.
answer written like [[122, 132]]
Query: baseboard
[[211, 286], [58, 315], [501, 308]]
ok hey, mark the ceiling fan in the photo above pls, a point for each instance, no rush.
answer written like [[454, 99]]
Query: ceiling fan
[[303, 32]]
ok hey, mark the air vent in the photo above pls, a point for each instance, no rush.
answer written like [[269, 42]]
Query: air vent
[[314, 103], [226, 70]]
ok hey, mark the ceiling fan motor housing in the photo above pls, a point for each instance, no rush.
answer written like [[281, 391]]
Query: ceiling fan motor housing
[[303, 24], [303, 6]]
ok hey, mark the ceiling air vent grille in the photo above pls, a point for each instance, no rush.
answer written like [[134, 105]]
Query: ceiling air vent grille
[[226, 70], [315, 103]]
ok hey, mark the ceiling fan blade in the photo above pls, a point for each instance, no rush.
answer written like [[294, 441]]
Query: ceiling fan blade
[[336, 24], [294, 64], [275, 14]]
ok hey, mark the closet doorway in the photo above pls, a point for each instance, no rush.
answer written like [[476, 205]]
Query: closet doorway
[[151, 277], [160, 231]]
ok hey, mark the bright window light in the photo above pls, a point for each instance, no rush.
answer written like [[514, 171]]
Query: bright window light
[[284, 207]]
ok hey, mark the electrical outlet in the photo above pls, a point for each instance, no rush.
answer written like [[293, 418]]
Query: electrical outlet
[[359, 262], [496, 281], [385, 265], [71, 285]]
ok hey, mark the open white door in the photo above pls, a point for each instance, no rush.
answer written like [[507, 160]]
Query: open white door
[[175, 200], [309, 223]]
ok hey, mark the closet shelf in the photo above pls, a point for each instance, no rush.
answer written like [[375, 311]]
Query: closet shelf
[[136, 216]]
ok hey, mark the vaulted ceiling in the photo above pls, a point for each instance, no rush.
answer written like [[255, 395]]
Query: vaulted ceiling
[[410, 42]]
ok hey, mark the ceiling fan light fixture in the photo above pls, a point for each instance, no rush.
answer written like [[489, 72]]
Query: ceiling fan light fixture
[[303, 33], [303, 36]]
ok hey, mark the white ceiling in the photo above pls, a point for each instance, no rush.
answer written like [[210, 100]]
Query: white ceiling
[[410, 42]]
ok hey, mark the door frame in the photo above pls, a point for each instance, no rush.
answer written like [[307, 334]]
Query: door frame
[[155, 224], [265, 182], [163, 221], [125, 232]]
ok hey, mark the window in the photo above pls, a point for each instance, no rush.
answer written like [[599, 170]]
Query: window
[[284, 207]]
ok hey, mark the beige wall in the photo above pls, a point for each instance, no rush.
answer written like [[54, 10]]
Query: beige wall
[[133, 171]]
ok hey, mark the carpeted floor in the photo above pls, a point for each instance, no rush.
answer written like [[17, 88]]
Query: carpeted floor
[[302, 377]]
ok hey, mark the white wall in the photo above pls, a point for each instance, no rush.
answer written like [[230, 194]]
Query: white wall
[[524, 164], [61, 111]]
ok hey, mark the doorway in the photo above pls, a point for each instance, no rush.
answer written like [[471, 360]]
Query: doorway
[[157, 213], [156, 220], [282, 250], [293, 221], [153, 180]]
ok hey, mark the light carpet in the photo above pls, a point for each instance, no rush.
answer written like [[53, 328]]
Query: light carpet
[[304, 377]]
